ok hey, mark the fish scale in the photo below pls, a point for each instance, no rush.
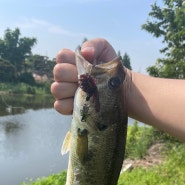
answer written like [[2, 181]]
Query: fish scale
[[97, 138]]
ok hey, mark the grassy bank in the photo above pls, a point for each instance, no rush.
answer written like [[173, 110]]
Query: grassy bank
[[170, 172], [23, 88], [139, 140]]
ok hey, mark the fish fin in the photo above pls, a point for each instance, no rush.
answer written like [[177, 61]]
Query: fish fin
[[66, 143], [83, 66], [82, 145]]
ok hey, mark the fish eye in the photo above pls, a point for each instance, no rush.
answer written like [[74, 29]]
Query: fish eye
[[114, 82]]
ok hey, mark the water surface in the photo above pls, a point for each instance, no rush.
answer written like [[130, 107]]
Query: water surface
[[30, 145], [31, 135]]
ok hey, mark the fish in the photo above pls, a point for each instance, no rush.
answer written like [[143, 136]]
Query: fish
[[97, 137]]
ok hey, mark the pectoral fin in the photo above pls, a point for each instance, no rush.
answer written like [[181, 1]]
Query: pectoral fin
[[82, 145], [66, 144]]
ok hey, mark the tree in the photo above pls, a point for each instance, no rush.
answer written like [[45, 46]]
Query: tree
[[7, 71], [42, 65], [125, 60], [168, 22], [16, 49]]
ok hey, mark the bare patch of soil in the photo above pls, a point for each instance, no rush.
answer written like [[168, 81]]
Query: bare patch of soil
[[153, 157]]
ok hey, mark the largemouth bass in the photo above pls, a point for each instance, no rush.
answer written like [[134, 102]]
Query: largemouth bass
[[97, 137]]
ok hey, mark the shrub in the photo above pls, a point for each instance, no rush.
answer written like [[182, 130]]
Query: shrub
[[138, 141]]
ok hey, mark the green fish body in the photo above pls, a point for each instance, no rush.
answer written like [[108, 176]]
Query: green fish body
[[97, 138]]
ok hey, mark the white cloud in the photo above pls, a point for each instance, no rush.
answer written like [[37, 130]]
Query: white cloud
[[47, 27], [51, 37]]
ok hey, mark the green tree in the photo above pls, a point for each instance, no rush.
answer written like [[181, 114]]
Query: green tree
[[16, 49], [7, 71], [125, 60], [168, 22], [42, 65]]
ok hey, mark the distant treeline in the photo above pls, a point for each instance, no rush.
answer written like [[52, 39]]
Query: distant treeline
[[17, 63]]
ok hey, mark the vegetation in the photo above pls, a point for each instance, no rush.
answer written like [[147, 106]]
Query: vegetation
[[139, 139], [23, 88], [15, 49], [18, 65], [169, 173], [168, 22], [7, 71], [125, 60], [54, 179]]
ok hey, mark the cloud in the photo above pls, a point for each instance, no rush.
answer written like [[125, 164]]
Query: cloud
[[47, 26]]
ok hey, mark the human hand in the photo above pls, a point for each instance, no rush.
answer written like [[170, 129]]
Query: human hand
[[65, 72]]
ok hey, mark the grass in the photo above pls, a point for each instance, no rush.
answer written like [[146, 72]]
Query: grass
[[171, 172], [54, 179], [23, 88], [139, 139]]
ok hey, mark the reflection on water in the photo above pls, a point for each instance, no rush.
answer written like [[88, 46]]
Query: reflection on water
[[14, 110], [30, 143], [16, 104], [11, 127]]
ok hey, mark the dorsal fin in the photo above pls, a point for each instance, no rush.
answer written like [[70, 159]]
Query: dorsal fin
[[83, 66]]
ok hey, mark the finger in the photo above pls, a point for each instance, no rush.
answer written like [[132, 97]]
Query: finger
[[65, 56], [65, 72], [62, 90], [64, 106], [98, 49]]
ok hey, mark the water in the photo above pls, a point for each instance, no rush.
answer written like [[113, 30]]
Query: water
[[30, 145], [31, 135]]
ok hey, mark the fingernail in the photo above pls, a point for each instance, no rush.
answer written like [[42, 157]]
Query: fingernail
[[87, 49], [88, 53]]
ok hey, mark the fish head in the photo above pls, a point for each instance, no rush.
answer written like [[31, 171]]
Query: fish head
[[101, 93]]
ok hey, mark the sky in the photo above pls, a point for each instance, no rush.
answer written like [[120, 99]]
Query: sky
[[61, 24]]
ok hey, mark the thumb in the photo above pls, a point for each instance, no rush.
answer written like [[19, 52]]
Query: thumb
[[98, 49]]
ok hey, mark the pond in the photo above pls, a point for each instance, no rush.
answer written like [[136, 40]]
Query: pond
[[31, 135], [30, 141]]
